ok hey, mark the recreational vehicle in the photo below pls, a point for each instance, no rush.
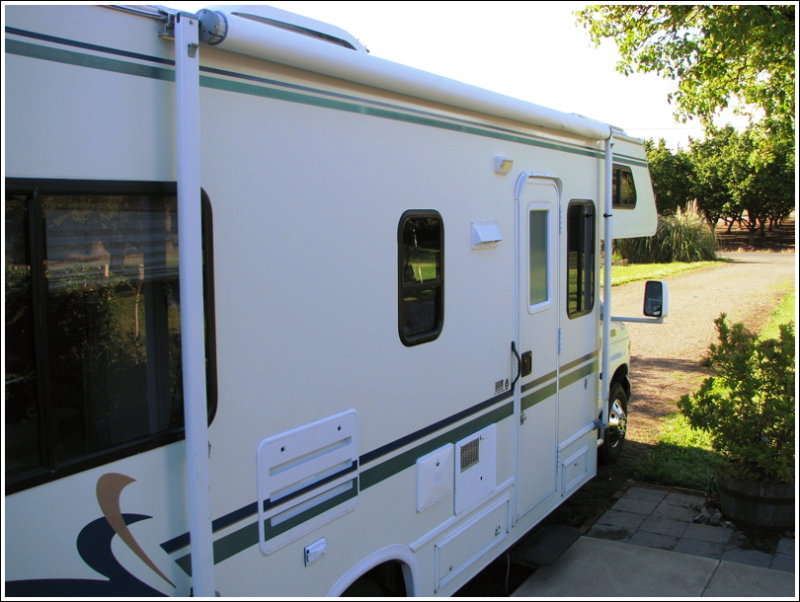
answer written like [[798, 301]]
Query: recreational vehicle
[[287, 319]]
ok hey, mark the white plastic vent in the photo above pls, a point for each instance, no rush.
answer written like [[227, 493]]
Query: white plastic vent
[[306, 477], [485, 235]]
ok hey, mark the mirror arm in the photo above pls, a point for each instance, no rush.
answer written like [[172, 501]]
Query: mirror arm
[[639, 320]]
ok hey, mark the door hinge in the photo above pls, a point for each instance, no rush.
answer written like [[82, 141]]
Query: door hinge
[[559, 341]]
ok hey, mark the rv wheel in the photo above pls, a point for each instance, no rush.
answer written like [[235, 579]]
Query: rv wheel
[[614, 436]]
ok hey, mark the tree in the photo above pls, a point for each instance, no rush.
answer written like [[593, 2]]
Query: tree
[[719, 54], [671, 174], [717, 164], [745, 177], [765, 183]]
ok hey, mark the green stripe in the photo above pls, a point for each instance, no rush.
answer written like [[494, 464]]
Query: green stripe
[[240, 540], [271, 531], [627, 159], [577, 375], [563, 381], [383, 471], [117, 66], [580, 360], [537, 396], [381, 112], [539, 381], [91, 61], [227, 546]]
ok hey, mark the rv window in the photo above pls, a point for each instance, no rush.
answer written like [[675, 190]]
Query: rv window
[[624, 189], [538, 260], [93, 365], [580, 258], [420, 239]]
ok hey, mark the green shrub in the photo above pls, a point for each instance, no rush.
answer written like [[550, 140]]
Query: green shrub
[[683, 236], [748, 406]]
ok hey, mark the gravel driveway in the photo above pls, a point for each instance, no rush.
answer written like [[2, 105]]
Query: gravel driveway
[[666, 358]]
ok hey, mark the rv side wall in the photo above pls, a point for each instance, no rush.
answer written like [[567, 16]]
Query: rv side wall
[[337, 443]]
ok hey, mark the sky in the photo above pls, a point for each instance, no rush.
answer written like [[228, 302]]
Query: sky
[[534, 51]]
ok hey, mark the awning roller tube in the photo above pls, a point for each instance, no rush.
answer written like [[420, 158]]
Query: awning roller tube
[[245, 36]]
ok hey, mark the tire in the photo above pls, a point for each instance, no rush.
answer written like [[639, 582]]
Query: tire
[[614, 436]]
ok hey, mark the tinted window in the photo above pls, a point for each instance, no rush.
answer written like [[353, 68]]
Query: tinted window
[[93, 363], [538, 260], [580, 258], [421, 276], [624, 188]]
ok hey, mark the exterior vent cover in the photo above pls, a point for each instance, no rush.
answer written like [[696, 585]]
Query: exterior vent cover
[[476, 469], [306, 478], [470, 454]]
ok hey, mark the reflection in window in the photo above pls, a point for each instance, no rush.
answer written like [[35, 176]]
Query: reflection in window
[[580, 258], [22, 419], [420, 260], [92, 326], [624, 189], [537, 260]]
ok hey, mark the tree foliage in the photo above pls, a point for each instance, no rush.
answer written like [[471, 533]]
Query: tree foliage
[[745, 177], [671, 174], [729, 176], [715, 165], [719, 54]]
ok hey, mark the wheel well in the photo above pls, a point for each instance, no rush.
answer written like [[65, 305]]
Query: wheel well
[[621, 377], [385, 580]]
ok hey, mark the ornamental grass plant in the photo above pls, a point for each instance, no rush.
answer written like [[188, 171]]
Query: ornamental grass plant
[[682, 236]]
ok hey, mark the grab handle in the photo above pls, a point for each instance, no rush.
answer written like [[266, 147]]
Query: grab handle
[[519, 363]]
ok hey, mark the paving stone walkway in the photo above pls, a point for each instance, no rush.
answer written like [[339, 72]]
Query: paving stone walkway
[[660, 518]]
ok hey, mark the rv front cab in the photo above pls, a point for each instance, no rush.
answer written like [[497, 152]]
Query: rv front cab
[[656, 303]]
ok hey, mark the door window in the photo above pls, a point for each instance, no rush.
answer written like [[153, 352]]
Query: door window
[[538, 257]]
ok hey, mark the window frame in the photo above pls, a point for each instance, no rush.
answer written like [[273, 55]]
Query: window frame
[[586, 259], [50, 470], [403, 288]]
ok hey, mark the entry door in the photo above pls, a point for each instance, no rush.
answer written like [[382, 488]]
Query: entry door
[[537, 344]]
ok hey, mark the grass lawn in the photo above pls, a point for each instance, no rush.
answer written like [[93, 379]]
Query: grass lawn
[[622, 274], [784, 313]]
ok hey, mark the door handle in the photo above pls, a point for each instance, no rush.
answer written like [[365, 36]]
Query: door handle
[[519, 364], [524, 363]]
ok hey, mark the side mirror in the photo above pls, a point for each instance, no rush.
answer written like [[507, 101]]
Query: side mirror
[[656, 299]]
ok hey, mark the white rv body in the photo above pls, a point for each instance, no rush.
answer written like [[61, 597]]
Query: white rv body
[[336, 444]]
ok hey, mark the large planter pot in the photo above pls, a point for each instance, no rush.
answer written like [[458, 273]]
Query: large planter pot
[[756, 505]]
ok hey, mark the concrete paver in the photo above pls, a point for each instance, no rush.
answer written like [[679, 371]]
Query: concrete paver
[[736, 580], [602, 568], [647, 545]]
